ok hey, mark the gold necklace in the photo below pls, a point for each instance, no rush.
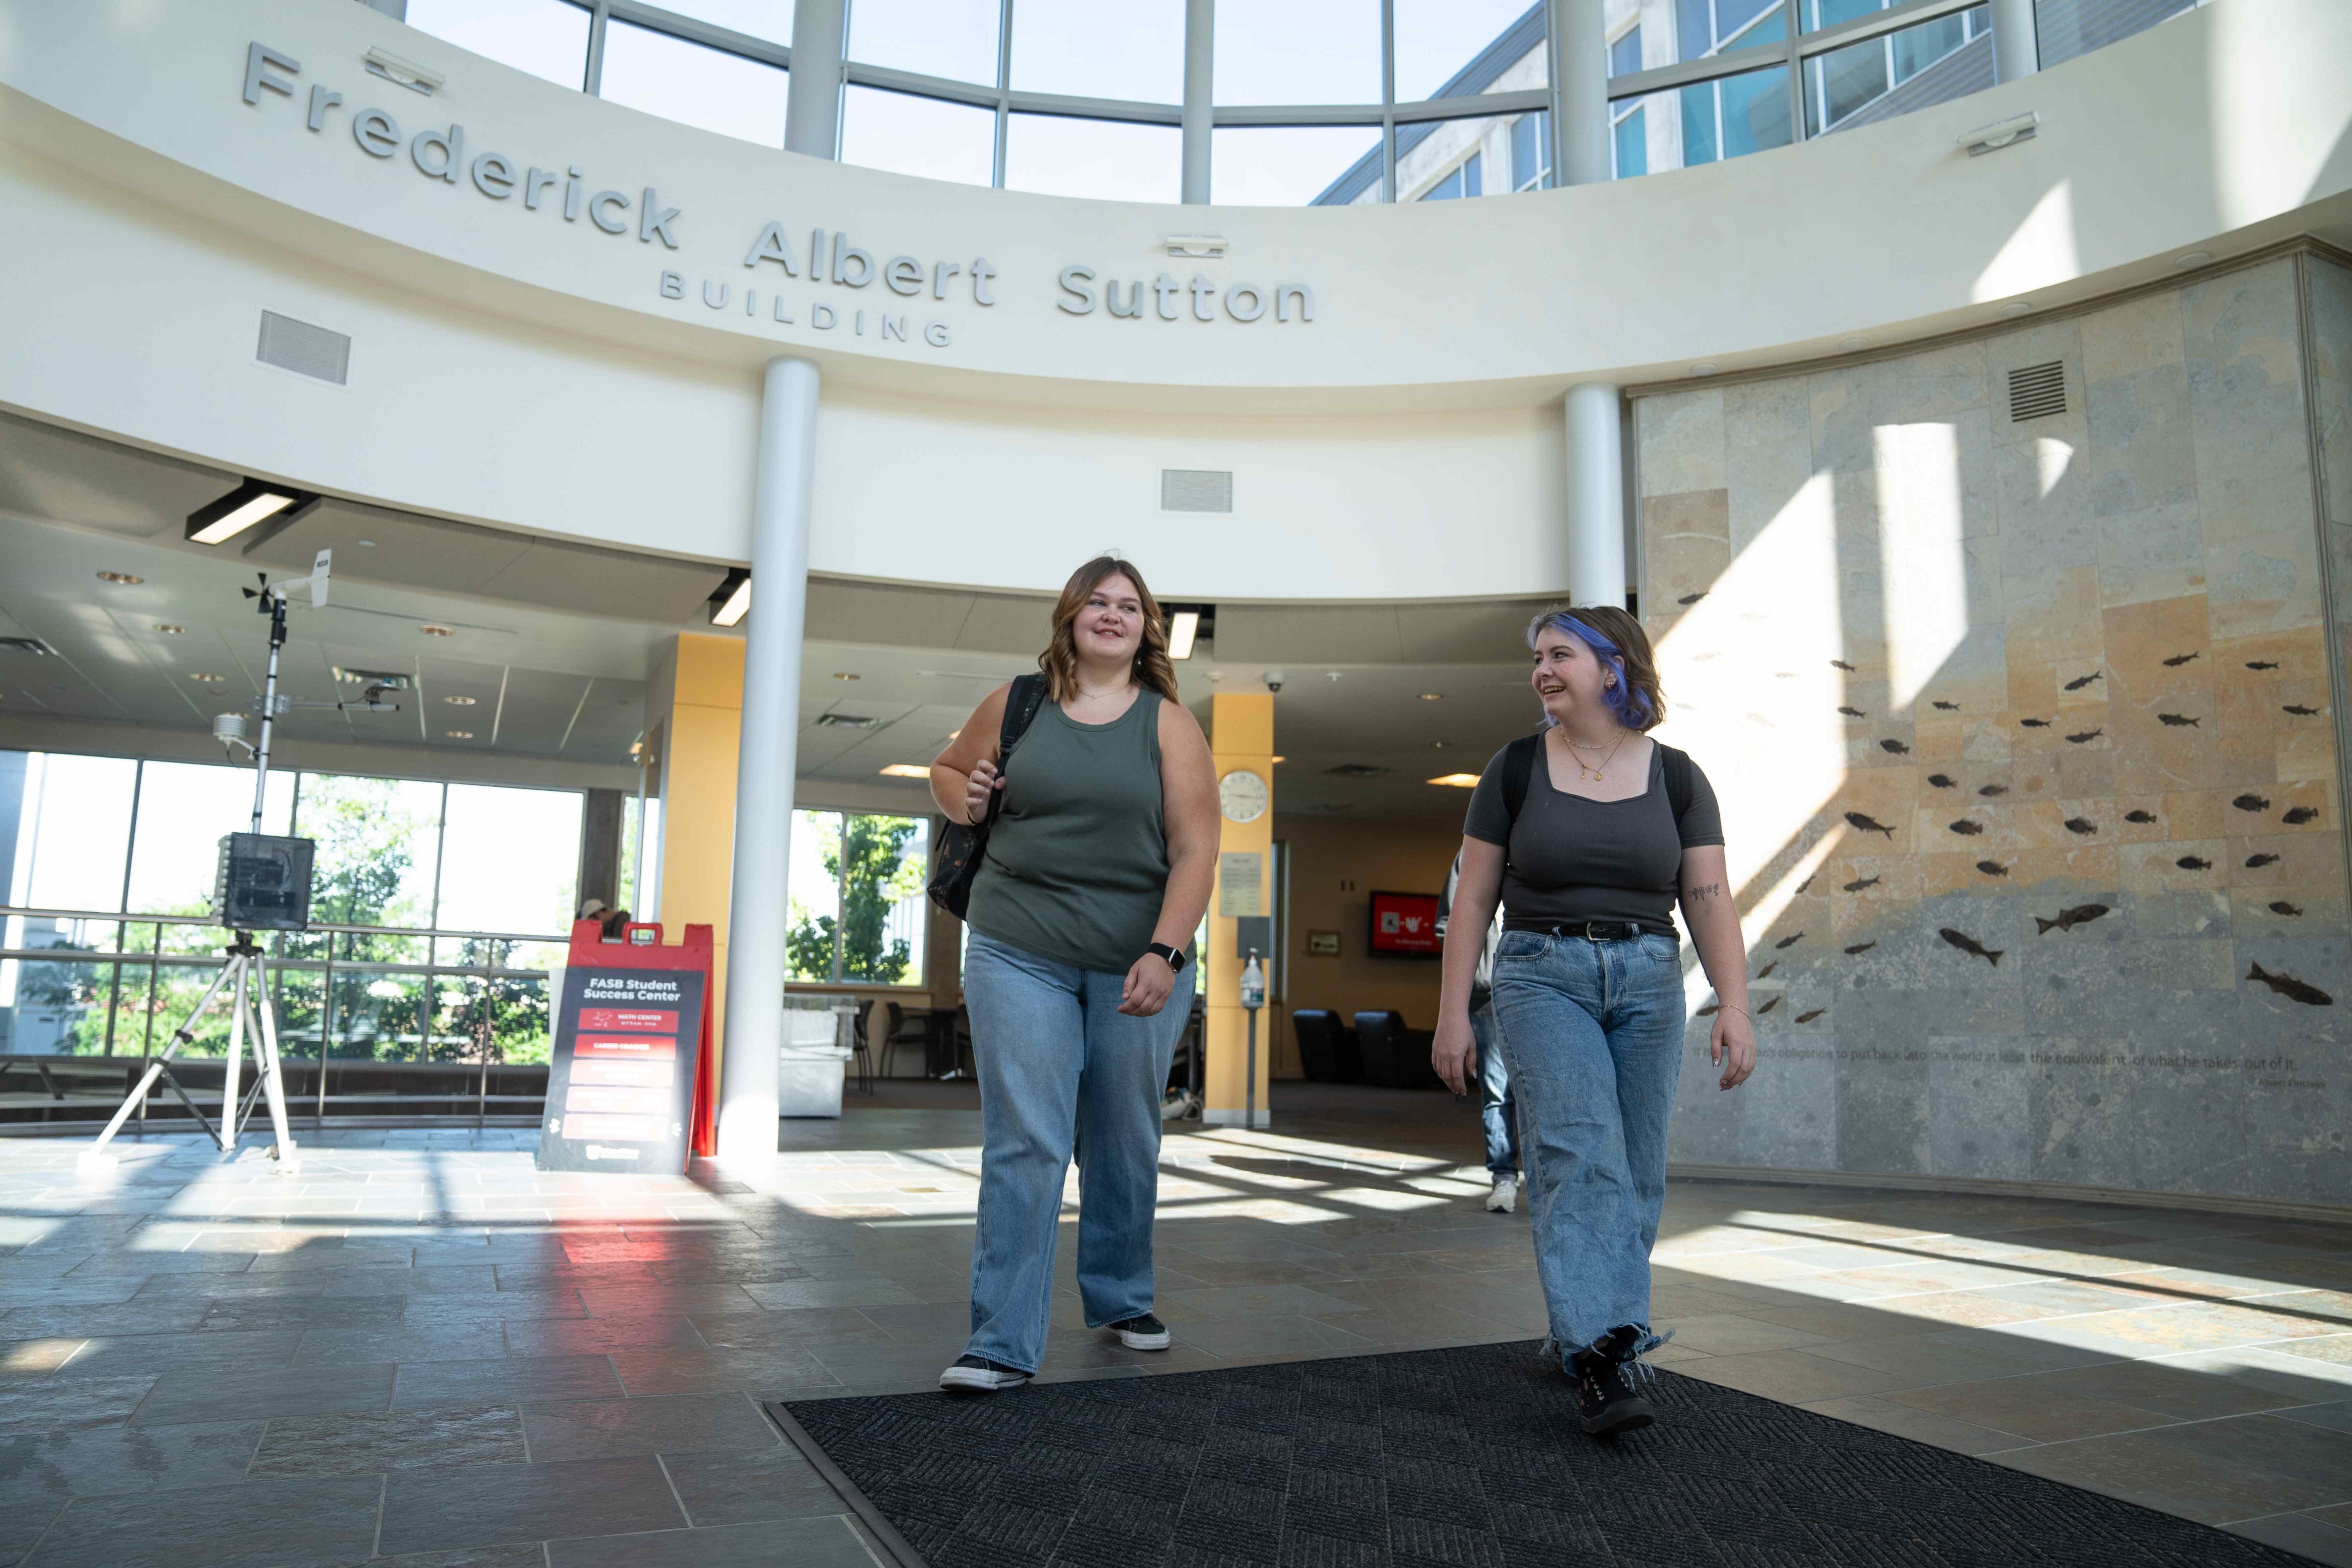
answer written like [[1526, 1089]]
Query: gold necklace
[[1107, 691], [1593, 772]]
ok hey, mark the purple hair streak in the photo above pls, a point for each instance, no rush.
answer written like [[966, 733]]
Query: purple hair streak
[[1630, 707]]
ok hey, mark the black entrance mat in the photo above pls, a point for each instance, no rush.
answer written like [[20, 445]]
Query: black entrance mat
[[1452, 1457]]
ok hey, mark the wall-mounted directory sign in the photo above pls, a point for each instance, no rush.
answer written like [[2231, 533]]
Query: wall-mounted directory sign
[[629, 1081]]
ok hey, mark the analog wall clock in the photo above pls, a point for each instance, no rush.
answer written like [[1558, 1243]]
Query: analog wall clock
[[1244, 794]]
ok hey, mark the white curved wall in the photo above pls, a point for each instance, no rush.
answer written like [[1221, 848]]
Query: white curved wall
[[517, 369]]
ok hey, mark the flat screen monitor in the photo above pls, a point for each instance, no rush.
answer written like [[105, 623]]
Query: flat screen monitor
[[1404, 925]]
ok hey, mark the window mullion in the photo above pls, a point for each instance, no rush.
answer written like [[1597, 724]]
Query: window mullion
[[840, 893], [593, 80], [1003, 89]]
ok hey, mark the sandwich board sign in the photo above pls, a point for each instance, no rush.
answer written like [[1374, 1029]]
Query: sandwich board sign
[[628, 1080]]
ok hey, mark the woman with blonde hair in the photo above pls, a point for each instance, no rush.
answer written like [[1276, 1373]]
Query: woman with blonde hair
[[1588, 832], [1097, 872]]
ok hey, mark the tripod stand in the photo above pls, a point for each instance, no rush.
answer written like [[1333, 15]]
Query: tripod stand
[[244, 977]]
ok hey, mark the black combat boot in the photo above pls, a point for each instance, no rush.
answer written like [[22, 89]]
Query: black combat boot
[[1607, 1400]]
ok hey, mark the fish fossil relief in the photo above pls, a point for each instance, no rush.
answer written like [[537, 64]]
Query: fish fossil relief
[[1989, 791], [1768, 1006], [2299, 710], [1945, 706], [1768, 969], [2085, 738], [2288, 986], [2194, 863], [2251, 802], [1841, 664], [1992, 867], [1809, 1017], [1853, 712], [2262, 664], [1786, 942], [2080, 681], [2178, 721], [1969, 945], [1868, 824], [1710, 1010], [2301, 815], [1966, 828], [2080, 825], [2178, 660], [1859, 884], [2035, 723], [2254, 862], [2281, 907], [2142, 818], [1691, 598], [1896, 747], [2067, 920], [1806, 883], [1942, 780], [1860, 947]]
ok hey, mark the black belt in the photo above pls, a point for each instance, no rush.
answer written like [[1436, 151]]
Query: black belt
[[1591, 931]]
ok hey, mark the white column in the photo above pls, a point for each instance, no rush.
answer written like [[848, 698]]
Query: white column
[[1200, 59], [1596, 495], [2016, 48], [812, 105], [766, 763], [1580, 63]]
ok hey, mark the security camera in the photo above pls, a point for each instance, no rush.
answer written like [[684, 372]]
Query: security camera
[[1273, 679]]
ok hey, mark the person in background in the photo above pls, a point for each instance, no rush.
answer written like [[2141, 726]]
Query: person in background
[[1096, 875], [1496, 1108], [590, 910], [1588, 832], [616, 925]]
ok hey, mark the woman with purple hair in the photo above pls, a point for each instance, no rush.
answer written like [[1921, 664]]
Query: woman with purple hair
[[1590, 832]]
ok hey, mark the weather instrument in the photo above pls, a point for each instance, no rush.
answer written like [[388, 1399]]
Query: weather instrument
[[261, 882]]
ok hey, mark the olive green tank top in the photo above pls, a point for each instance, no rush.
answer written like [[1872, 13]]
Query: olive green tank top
[[1077, 861]]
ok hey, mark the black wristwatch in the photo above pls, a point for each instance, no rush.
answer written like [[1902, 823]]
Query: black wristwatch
[[1174, 955]]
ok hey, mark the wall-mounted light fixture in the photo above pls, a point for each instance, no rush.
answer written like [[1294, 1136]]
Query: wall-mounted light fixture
[[1209, 245], [1187, 625], [2000, 133], [407, 73], [732, 601], [253, 501]]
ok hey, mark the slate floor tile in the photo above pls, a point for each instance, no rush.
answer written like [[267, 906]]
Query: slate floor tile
[[249, 1394], [2132, 1466], [255, 1314], [744, 1487], [68, 1320], [611, 1428], [163, 1352], [484, 1505], [512, 1379], [23, 1358], [97, 1461], [403, 1342], [596, 1336], [64, 1399], [391, 1440], [783, 1543], [764, 1373], [266, 1524]]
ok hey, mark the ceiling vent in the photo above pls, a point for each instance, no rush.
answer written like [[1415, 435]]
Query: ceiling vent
[[1356, 771], [847, 721], [2037, 391], [1196, 489], [34, 646], [304, 348]]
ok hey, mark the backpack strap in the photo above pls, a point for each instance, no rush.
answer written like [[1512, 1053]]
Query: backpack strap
[[1679, 779], [1519, 771], [1021, 706]]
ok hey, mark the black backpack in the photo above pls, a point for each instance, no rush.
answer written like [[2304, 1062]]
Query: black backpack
[[1519, 771], [962, 845]]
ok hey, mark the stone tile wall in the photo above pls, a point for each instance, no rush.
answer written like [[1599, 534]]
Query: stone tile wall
[[2025, 731]]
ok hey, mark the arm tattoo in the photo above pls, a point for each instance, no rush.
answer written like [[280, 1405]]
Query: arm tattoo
[[1705, 890]]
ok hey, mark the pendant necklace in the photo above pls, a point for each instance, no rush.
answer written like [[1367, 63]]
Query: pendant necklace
[[1592, 773]]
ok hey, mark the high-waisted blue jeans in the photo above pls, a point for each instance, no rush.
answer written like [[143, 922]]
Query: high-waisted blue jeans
[[1593, 1032], [1063, 1074]]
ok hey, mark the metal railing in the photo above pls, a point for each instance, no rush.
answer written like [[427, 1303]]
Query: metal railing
[[336, 958]]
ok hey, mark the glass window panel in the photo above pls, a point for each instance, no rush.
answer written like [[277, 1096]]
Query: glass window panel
[[925, 136], [297, 995], [694, 85], [884, 867], [636, 886], [376, 849], [1271, 53], [769, 19], [1934, 62], [1531, 152], [1295, 165], [1439, 41], [490, 1018], [1704, 27], [2066, 28], [1625, 54], [70, 832], [1703, 122], [814, 896], [546, 37], [510, 860], [1819, 13], [1077, 47], [378, 1016], [184, 809], [1432, 165], [54, 1009], [178, 988], [954, 38], [1115, 159]]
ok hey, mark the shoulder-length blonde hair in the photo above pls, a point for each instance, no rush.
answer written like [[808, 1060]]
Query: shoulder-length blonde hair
[[1059, 662]]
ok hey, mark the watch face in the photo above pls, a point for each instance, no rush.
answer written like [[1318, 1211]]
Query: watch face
[[1244, 794]]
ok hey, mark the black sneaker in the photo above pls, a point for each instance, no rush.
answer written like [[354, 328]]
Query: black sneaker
[[978, 1375], [1142, 1333], [1606, 1399]]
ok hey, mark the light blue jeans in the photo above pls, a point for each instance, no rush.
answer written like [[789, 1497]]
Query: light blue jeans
[[1496, 1108], [1593, 1031], [1063, 1074]]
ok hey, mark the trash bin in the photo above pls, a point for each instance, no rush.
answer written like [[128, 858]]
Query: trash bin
[[811, 1061]]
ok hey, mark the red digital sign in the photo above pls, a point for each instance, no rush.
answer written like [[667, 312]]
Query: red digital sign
[[1404, 925]]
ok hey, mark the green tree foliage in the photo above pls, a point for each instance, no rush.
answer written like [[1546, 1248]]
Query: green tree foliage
[[870, 864]]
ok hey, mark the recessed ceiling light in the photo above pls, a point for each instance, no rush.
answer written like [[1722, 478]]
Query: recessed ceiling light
[[1705, 367], [731, 600], [1433, 697], [1457, 781], [168, 629], [458, 734], [844, 675], [1216, 675], [252, 501], [1437, 745], [431, 631], [458, 701], [2192, 258], [906, 771], [2017, 308], [364, 543], [123, 579], [1282, 759], [1183, 630], [207, 678]]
